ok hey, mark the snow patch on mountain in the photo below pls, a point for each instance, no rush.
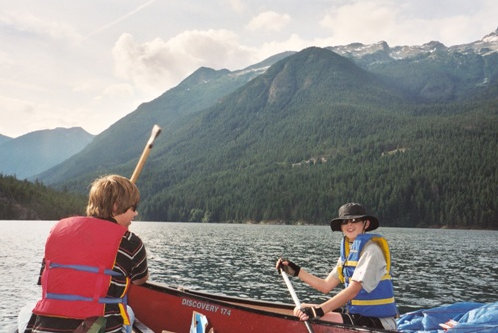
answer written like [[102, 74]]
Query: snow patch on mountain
[[487, 45]]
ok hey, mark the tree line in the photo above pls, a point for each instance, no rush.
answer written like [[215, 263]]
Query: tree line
[[24, 200], [431, 168]]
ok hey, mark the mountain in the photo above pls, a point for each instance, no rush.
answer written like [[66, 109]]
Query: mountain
[[314, 131], [124, 140], [294, 142], [432, 72], [32, 153], [4, 138]]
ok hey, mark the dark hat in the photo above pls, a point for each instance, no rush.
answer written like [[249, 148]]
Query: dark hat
[[353, 210]]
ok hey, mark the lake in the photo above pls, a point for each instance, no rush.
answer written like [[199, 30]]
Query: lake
[[431, 267]]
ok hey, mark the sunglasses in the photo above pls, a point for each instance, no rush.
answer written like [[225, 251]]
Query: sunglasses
[[344, 222]]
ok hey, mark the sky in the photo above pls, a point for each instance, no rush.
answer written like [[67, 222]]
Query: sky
[[89, 63]]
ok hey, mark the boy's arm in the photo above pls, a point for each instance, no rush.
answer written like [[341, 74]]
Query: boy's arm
[[342, 297], [142, 280], [323, 285]]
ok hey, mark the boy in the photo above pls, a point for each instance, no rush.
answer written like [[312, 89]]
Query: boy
[[89, 262], [363, 267]]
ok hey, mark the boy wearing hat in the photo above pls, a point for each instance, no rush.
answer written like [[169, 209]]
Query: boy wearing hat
[[364, 269]]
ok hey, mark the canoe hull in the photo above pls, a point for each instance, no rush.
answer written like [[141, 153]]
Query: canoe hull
[[163, 308]]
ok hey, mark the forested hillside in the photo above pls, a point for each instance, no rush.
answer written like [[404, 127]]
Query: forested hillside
[[293, 144], [23, 200], [340, 137]]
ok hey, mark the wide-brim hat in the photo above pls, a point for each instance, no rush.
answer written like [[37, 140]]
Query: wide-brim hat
[[353, 210]]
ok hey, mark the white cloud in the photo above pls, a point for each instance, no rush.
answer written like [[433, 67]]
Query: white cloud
[[270, 21], [119, 91], [237, 5], [26, 23], [365, 21], [159, 64], [293, 43], [31, 116], [405, 23], [122, 18]]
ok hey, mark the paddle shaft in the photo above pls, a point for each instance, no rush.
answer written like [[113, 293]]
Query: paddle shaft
[[156, 130], [294, 297]]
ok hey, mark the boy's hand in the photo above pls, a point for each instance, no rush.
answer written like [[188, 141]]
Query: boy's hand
[[308, 312], [288, 266]]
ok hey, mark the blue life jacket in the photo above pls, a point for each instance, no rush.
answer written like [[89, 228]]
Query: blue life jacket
[[380, 301]]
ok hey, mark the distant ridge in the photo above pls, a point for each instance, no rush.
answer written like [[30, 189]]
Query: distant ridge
[[4, 138], [32, 153], [432, 72]]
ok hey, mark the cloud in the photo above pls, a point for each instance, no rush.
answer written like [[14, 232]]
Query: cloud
[[270, 21], [373, 21], [237, 5], [120, 19], [159, 64], [30, 116], [407, 23], [25, 23], [121, 90], [293, 43]]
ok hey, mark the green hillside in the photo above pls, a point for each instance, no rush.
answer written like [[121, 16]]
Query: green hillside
[[124, 140], [294, 143], [23, 200], [316, 131]]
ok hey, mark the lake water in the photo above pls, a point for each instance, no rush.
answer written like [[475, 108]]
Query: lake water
[[430, 267]]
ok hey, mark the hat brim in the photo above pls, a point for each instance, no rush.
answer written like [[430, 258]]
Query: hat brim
[[335, 224]]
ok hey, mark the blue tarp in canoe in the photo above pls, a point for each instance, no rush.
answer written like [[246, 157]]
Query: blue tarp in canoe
[[464, 317]]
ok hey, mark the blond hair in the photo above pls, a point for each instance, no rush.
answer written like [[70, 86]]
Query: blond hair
[[111, 195]]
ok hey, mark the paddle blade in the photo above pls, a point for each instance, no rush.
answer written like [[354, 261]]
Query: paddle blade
[[156, 130]]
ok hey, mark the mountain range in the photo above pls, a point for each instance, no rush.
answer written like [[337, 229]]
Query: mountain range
[[409, 131], [35, 152]]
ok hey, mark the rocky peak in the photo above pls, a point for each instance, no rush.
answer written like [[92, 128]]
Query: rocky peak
[[488, 44]]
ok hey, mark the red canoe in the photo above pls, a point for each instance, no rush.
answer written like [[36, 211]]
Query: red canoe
[[163, 308]]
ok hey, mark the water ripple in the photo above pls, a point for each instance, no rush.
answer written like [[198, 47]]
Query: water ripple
[[430, 267]]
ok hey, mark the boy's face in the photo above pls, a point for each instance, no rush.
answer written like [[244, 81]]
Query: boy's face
[[125, 218], [352, 229]]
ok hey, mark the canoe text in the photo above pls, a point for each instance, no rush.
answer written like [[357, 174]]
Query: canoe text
[[205, 306]]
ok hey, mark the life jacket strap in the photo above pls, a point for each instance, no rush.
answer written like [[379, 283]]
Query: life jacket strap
[[373, 301], [85, 268], [70, 297]]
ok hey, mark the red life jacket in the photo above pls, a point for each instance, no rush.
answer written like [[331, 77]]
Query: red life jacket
[[79, 256]]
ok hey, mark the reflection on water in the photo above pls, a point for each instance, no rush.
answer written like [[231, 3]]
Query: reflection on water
[[430, 267]]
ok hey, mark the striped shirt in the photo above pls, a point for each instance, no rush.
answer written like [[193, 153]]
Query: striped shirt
[[131, 261]]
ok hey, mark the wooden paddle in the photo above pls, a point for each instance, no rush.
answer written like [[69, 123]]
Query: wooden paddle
[[294, 297], [156, 130]]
